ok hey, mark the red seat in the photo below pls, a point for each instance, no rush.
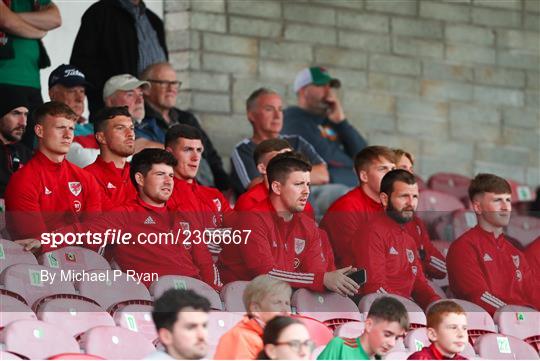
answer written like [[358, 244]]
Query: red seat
[[114, 288], [500, 347], [75, 356], [136, 318], [524, 229], [157, 288], [521, 192], [454, 184], [8, 356], [329, 308], [73, 315], [74, 258], [319, 332], [36, 339], [435, 207], [26, 280], [462, 221], [478, 320], [115, 343], [13, 253], [232, 295], [14, 310], [351, 329], [521, 322], [219, 322], [417, 318]]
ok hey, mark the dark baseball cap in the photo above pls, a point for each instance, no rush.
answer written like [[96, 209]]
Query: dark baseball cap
[[68, 76]]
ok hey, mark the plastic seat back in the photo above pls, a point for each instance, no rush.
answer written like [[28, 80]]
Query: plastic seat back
[[416, 339], [74, 258], [417, 317], [12, 253], [500, 347], [36, 339], [33, 282], [462, 221], [454, 184], [115, 343], [110, 288], [319, 332], [74, 316], [14, 310], [137, 318], [329, 308], [232, 295], [157, 288], [219, 322], [351, 329], [521, 322], [436, 207], [524, 229]]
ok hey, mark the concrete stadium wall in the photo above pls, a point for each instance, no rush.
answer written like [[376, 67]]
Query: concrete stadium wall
[[454, 82]]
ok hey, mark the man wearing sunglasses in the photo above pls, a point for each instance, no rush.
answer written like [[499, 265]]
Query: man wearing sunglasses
[[160, 104]]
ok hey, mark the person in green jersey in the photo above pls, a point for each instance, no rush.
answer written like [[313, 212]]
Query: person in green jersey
[[386, 322]]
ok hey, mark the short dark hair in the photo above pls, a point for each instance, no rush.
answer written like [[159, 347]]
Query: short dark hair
[[252, 99], [143, 161], [53, 108], [396, 175], [485, 182], [389, 309], [167, 306], [273, 330], [283, 164], [107, 113], [372, 153], [181, 131], [269, 145]]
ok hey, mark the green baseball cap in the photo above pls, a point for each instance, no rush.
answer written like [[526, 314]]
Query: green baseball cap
[[315, 75]]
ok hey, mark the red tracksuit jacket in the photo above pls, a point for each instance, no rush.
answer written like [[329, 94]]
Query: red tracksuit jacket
[[290, 251], [433, 261], [114, 183], [490, 271], [351, 213], [257, 194], [43, 196], [532, 252], [431, 353], [138, 217], [342, 221], [388, 254]]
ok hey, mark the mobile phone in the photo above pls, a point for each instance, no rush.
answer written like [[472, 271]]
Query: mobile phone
[[360, 276]]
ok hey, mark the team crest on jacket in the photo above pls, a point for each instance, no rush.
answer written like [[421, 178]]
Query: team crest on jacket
[[299, 245], [515, 258], [410, 255], [217, 202], [77, 205], [75, 188]]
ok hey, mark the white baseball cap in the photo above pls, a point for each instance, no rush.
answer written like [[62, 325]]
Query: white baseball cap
[[122, 82]]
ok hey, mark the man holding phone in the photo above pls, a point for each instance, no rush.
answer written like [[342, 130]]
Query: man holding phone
[[320, 119]]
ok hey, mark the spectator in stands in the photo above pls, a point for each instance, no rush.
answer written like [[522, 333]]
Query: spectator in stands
[[320, 119], [533, 256], [275, 228], [404, 160], [203, 207], [447, 332], [349, 214], [386, 252], [264, 298], [286, 338], [264, 112], [67, 85], [433, 261], [126, 90], [22, 24], [386, 322], [483, 266], [117, 37], [160, 105], [115, 134], [151, 172], [181, 319], [13, 154], [49, 192]]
